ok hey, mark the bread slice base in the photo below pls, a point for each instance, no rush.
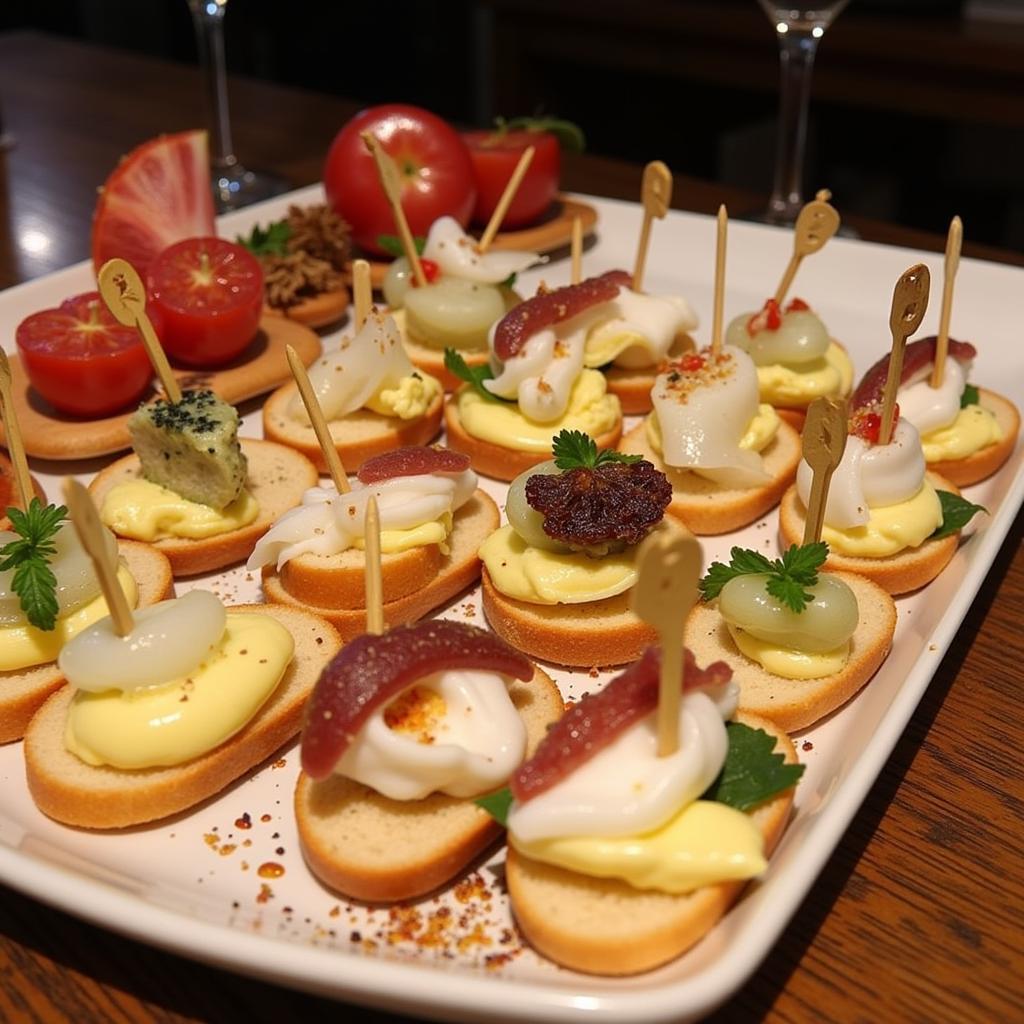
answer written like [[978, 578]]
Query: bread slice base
[[633, 387], [317, 311], [473, 523], [24, 691], [587, 635], [359, 436], [278, 477], [606, 926], [707, 509], [898, 574], [504, 463], [793, 704], [982, 464], [75, 793], [369, 847]]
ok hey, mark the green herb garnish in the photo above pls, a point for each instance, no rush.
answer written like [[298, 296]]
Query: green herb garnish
[[510, 281], [496, 805], [752, 772], [957, 512], [570, 136], [969, 397], [392, 245], [472, 375], [787, 577], [33, 581], [573, 449], [270, 242]]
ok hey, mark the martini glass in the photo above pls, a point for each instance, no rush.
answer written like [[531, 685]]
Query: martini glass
[[798, 28], [233, 184]]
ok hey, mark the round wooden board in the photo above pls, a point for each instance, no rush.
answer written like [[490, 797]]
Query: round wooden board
[[262, 367], [551, 233]]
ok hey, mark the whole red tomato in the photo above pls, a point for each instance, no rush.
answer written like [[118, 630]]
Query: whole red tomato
[[209, 293], [433, 163], [81, 360], [495, 155]]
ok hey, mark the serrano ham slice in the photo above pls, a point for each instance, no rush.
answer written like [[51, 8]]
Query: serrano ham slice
[[592, 724], [411, 461], [525, 320], [373, 670], [917, 355]]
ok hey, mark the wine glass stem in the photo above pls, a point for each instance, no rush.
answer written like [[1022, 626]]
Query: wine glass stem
[[210, 37], [796, 55]]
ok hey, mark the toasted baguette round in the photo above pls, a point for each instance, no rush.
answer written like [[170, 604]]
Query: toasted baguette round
[[898, 574], [792, 704], [606, 926], [496, 461], [358, 437], [73, 792], [587, 635], [430, 359], [278, 477], [983, 463], [23, 691], [704, 507], [372, 848], [634, 387], [317, 311], [460, 568]]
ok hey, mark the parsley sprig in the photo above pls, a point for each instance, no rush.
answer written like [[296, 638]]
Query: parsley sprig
[[969, 396], [392, 244], [472, 375], [29, 557], [957, 512], [573, 449], [787, 577], [270, 241]]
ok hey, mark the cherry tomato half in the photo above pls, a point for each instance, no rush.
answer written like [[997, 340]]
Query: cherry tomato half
[[432, 160], [209, 293], [495, 155], [81, 360]]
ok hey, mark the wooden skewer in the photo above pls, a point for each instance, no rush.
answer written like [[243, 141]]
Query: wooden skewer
[[392, 186], [374, 580], [576, 274], [719, 302], [909, 302], [494, 224], [316, 418], [656, 196], [824, 441], [362, 292], [125, 295], [90, 532], [817, 222], [952, 264], [15, 445], [668, 564]]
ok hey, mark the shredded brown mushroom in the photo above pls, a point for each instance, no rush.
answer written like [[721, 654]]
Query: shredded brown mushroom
[[319, 232], [287, 280]]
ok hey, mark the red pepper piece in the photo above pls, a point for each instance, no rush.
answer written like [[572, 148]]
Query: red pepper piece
[[769, 318], [796, 306]]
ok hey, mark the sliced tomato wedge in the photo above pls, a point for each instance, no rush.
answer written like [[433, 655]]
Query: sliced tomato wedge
[[158, 195]]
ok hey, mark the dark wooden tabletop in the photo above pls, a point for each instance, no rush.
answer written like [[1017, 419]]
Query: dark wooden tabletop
[[916, 917]]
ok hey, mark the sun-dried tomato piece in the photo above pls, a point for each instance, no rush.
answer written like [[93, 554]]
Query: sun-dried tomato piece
[[916, 356], [617, 501], [545, 309], [796, 306], [866, 422], [412, 461], [598, 719], [768, 318]]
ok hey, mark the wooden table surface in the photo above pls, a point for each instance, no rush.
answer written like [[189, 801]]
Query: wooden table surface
[[916, 917]]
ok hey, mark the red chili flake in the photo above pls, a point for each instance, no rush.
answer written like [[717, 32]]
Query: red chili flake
[[768, 319], [431, 271], [797, 306], [866, 422], [692, 363]]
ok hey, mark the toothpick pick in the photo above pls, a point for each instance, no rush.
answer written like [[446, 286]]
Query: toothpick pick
[[576, 273], [656, 195], [719, 303], [374, 579], [952, 264], [15, 445], [505, 201], [87, 525], [824, 441], [815, 225], [362, 292], [909, 302], [316, 418], [392, 186], [125, 295], [668, 563]]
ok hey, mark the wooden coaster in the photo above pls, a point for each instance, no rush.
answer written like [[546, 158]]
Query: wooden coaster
[[260, 368]]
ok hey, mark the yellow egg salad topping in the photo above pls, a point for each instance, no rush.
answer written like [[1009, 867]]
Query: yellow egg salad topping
[[798, 385], [591, 409], [787, 661], [146, 511], [890, 528], [409, 399], [395, 541], [25, 645], [973, 429], [760, 433], [187, 717]]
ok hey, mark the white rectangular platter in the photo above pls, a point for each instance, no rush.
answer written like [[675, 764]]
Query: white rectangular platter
[[226, 884]]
